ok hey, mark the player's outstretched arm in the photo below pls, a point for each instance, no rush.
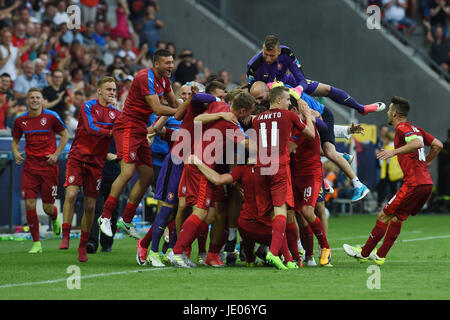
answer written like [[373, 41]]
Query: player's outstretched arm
[[435, 148], [157, 107], [205, 117], [210, 174], [53, 158]]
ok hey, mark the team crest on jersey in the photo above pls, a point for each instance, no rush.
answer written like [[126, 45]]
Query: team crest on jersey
[[24, 123], [132, 155], [23, 194], [183, 189], [43, 121], [112, 115], [279, 66], [170, 196], [207, 202], [71, 179]]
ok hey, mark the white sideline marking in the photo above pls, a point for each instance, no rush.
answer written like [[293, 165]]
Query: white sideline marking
[[96, 275]]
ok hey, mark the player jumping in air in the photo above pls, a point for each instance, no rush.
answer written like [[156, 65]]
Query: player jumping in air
[[272, 63]]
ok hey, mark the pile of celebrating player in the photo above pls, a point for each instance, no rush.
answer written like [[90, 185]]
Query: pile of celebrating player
[[247, 160]]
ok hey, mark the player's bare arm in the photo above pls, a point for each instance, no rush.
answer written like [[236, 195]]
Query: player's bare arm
[[15, 150], [205, 118], [210, 174], [53, 158], [304, 109], [157, 107], [435, 148], [411, 146]]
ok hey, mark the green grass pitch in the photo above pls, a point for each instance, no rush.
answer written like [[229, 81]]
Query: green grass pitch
[[417, 268]]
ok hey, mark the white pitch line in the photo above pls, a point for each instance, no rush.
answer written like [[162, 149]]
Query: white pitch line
[[426, 238], [96, 275]]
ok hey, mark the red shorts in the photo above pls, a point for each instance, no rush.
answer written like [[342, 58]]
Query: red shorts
[[306, 190], [408, 201], [252, 230], [219, 194], [197, 190], [43, 181], [273, 190], [132, 145], [83, 174]]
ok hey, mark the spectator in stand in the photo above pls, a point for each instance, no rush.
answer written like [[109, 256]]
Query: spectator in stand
[[439, 12], [25, 81], [88, 38], [150, 31], [61, 15], [39, 74], [3, 114], [121, 29], [66, 34], [5, 86], [128, 49], [88, 10], [187, 70], [55, 95], [99, 35], [137, 13], [227, 79], [9, 55], [6, 7], [71, 119], [49, 13], [19, 41], [124, 89], [440, 48], [395, 13], [117, 64], [77, 82]]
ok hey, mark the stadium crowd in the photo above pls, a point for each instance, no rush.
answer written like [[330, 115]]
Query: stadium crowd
[[405, 15], [38, 49]]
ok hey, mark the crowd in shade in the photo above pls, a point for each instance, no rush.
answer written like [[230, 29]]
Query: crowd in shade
[[39, 47]]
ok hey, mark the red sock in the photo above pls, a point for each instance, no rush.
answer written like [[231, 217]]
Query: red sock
[[306, 237], [109, 207], [129, 212], [285, 250], [66, 229], [375, 236], [202, 235], [33, 223], [187, 234], [54, 215], [292, 236], [278, 230], [171, 230], [391, 235], [84, 239], [317, 228], [145, 242]]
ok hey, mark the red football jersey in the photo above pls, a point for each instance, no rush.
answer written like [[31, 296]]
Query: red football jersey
[[40, 139], [93, 135], [305, 159], [245, 175], [136, 108], [274, 128], [413, 164], [216, 136]]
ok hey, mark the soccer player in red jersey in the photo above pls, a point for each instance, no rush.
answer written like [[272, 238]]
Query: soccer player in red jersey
[[87, 157], [40, 170], [130, 134], [307, 180], [409, 145], [195, 188], [253, 227], [272, 174]]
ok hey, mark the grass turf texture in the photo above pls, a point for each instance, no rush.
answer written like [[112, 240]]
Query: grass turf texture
[[417, 267]]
